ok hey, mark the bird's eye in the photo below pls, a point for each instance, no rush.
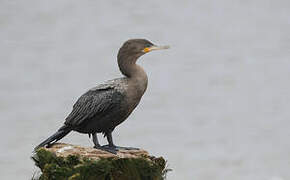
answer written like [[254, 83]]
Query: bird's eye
[[148, 45]]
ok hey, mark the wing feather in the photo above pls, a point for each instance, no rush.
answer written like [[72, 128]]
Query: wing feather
[[95, 102]]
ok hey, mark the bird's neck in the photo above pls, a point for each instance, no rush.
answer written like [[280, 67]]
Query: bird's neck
[[134, 73], [128, 66]]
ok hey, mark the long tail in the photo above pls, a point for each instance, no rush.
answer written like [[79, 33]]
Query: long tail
[[63, 131]]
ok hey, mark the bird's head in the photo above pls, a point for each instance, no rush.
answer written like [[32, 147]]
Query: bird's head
[[134, 48]]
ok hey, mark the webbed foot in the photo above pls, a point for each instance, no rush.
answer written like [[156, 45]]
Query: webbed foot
[[126, 148], [107, 149], [120, 147]]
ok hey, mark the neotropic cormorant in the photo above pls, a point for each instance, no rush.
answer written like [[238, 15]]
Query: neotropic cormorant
[[107, 105]]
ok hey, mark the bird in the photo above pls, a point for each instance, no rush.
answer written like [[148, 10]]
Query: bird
[[102, 108]]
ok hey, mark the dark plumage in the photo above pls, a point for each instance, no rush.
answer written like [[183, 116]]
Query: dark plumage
[[107, 105]]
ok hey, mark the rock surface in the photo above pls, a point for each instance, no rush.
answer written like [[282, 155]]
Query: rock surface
[[64, 150]]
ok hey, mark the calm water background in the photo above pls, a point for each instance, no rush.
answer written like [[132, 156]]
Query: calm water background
[[217, 105]]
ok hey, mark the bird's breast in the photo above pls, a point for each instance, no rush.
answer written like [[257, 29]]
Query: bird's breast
[[134, 92]]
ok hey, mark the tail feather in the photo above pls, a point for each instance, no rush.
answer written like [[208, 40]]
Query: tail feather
[[63, 131]]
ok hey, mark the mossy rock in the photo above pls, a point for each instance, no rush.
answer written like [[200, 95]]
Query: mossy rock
[[57, 165]]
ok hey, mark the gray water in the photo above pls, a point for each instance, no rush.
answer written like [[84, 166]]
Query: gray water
[[217, 105]]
